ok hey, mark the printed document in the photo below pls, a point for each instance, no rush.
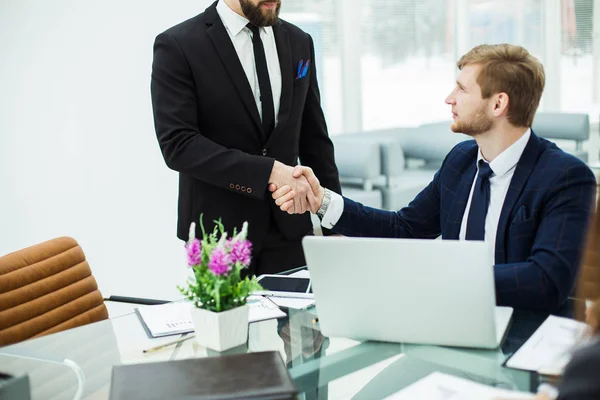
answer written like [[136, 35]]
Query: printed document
[[549, 349], [175, 318], [439, 386]]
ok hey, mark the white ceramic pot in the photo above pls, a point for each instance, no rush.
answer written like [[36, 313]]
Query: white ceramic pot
[[221, 331]]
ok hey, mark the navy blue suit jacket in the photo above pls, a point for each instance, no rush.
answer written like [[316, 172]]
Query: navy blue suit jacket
[[542, 225]]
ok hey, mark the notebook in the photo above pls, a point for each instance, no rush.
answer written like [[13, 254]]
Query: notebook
[[261, 375], [175, 318]]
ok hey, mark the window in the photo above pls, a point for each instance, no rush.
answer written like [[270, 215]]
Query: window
[[578, 93], [319, 19], [407, 61]]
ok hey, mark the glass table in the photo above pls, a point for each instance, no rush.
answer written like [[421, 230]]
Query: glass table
[[78, 363]]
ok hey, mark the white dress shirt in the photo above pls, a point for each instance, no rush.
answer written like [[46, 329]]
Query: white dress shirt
[[241, 37], [503, 167]]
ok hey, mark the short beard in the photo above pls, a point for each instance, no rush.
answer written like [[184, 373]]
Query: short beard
[[478, 124], [256, 16]]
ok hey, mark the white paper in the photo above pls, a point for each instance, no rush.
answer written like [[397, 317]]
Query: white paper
[[262, 309], [303, 273], [439, 386], [549, 349], [167, 319], [289, 302], [175, 318]]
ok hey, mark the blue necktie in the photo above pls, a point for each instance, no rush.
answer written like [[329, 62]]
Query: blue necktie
[[479, 203]]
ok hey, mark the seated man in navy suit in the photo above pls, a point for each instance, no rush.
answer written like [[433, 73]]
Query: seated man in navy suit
[[530, 200]]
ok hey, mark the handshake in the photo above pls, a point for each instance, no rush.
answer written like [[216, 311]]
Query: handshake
[[295, 189]]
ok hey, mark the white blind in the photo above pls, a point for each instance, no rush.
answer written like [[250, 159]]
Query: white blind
[[577, 61], [318, 18], [407, 61], [516, 22]]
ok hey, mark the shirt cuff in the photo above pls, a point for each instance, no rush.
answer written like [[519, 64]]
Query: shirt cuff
[[334, 211], [548, 390]]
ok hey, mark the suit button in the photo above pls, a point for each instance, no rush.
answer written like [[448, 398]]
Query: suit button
[[249, 190], [243, 188], [237, 187], [264, 152], [232, 186]]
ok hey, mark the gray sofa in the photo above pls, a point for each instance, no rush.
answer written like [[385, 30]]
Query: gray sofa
[[387, 168]]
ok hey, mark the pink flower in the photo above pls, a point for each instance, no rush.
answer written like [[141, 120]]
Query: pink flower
[[219, 262], [240, 251], [194, 252]]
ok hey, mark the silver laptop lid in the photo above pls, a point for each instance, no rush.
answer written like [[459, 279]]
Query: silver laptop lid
[[404, 290]]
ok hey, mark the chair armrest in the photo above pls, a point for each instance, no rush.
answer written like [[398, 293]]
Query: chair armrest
[[136, 300]]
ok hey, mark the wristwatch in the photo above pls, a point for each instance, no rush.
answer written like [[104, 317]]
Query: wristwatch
[[324, 204]]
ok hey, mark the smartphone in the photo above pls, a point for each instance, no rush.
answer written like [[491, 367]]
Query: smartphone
[[285, 286]]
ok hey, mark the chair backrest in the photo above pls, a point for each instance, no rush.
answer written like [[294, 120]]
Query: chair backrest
[[432, 142], [429, 142], [567, 126], [47, 288], [358, 161], [561, 127]]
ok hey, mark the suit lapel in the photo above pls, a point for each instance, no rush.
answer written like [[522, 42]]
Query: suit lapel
[[284, 52], [523, 170], [459, 204], [222, 43]]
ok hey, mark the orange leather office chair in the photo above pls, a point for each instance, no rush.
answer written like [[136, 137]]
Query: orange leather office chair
[[47, 288]]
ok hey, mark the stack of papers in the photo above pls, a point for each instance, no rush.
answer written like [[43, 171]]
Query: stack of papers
[[438, 386], [175, 318], [549, 349]]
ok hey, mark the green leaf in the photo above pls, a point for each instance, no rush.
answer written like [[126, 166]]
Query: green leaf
[[202, 226]]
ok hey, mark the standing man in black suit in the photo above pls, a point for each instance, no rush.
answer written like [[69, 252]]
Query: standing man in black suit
[[236, 104]]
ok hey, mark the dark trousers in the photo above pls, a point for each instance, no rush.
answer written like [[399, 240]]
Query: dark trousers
[[277, 254], [279, 259]]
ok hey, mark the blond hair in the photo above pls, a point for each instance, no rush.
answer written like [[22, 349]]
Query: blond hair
[[589, 276], [510, 69]]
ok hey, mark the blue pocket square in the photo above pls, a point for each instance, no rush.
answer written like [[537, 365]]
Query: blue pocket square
[[302, 69]]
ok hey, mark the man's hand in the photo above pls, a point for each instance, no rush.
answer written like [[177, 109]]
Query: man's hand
[[285, 196], [286, 176]]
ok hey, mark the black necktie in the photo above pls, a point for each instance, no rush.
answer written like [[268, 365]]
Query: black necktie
[[266, 94], [479, 203]]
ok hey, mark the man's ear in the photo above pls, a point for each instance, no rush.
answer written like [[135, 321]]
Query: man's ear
[[500, 104]]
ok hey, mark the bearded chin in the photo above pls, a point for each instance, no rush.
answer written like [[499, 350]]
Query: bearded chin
[[472, 129], [256, 16], [478, 124]]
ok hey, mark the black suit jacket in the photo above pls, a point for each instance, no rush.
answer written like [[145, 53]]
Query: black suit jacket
[[209, 129]]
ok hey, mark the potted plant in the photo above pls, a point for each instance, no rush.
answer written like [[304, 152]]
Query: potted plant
[[220, 312]]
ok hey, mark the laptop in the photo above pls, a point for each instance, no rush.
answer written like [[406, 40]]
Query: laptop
[[406, 290]]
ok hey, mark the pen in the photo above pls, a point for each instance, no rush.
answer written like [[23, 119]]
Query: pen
[[150, 350]]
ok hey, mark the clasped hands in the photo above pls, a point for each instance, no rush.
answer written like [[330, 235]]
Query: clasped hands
[[295, 189]]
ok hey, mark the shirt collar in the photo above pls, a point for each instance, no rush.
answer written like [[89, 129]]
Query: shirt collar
[[507, 160], [233, 22]]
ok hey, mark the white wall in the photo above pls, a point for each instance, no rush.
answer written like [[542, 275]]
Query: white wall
[[78, 152]]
